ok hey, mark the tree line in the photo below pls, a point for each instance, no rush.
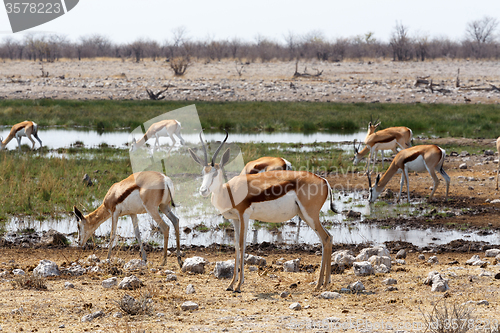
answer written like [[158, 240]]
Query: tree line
[[480, 42]]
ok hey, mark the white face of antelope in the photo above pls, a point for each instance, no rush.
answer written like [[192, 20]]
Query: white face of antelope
[[373, 191], [133, 146], [357, 158], [83, 235], [211, 179]]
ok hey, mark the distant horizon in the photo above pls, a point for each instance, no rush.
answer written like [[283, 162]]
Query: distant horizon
[[126, 21]]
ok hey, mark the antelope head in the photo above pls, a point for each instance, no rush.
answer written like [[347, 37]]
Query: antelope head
[[373, 190], [212, 173], [84, 228], [371, 127], [133, 145], [357, 157]]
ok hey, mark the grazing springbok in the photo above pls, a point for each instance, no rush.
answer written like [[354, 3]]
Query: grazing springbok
[[25, 128], [498, 152], [419, 159], [165, 128], [269, 197], [389, 138], [264, 164], [141, 192]]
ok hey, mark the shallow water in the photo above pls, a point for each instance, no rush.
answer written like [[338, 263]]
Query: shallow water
[[342, 229], [54, 138]]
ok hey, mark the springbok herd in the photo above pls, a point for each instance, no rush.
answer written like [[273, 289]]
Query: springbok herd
[[266, 189]]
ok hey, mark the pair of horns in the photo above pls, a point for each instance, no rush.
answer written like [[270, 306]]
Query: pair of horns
[[216, 152], [356, 149]]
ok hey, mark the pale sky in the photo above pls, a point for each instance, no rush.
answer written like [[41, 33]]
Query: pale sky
[[124, 21]]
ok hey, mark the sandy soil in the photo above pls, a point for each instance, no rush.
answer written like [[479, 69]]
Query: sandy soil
[[373, 81]]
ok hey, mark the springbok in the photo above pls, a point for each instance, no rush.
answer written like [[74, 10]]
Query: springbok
[[25, 128], [269, 197], [164, 128], [418, 158], [498, 152], [141, 192], [389, 138], [264, 164]]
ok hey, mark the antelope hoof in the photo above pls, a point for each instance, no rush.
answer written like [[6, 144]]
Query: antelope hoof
[[237, 291], [229, 289]]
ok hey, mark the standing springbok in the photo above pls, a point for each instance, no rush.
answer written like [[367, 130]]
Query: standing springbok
[[418, 158], [269, 197], [266, 163], [141, 192], [165, 128], [389, 138], [25, 128], [498, 152]]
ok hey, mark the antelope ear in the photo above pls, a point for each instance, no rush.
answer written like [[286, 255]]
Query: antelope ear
[[225, 157], [78, 214], [378, 178], [195, 157]]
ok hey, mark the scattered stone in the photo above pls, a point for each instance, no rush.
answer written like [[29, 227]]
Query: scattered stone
[[438, 283], [135, 264], [356, 286], [463, 166], [118, 314], [391, 288], [68, 285], [252, 269], [190, 289], [255, 260], [489, 152], [362, 268], [95, 269], [343, 258], [401, 254], [368, 252], [472, 260], [92, 316], [483, 302], [188, 305], [421, 257], [400, 261], [497, 276], [93, 258], [464, 153], [433, 260], [170, 278], [330, 295], [353, 214], [168, 272], [46, 268], [390, 281], [485, 273], [380, 260], [295, 306], [18, 271], [492, 253], [381, 269], [194, 265], [453, 262], [109, 283], [494, 201], [285, 294], [224, 269], [53, 238], [75, 270], [130, 282], [291, 265]]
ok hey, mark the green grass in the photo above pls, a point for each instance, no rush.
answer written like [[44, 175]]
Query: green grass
[[473, 121]]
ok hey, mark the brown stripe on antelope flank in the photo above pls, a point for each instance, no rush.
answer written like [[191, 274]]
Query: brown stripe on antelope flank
[[270, 193], [127, 192], [388, 139], [412, 157]]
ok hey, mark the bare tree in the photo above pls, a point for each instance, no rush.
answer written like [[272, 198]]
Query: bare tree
[[479, 33], [400, 43], [421, 46]]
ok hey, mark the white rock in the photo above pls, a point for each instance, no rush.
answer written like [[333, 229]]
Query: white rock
[[90, 317], [46, 268], [400, 261], [438, 283], [109, 283], [170, 278], [382, 269], [93, 258], [329, 295], [250, 259], [433, 260], [18, 271], [379, 260], [494, 201], [463, 166], [440, 286], [472, 260], [188, 305], [224, 269], [130, 282], [483, 302], [362, 268], [295, 306], [75, 270], [421, 257], [485, 273], [252, 269], [190, 289], [390, 281], [366, 253], [195, 265], [401, 254], [291, 265], [492, 252], [284, 294], [135, 264], [357, 286], [343, 257], [68, 285], [95, 269]]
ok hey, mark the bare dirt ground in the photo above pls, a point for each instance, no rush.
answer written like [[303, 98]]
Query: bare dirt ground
[[259, 308], [365, 81]]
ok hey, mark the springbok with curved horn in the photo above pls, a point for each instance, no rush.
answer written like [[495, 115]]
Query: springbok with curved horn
[[141, 192], [389, 138], [269, 197], [166, 128], [25, 128], [419, 159], [264, 164]]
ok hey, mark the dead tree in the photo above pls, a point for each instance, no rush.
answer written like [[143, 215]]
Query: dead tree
[[156, 96], [305, 74], [179, 65]]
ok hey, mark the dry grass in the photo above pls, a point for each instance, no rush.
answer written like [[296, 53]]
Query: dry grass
[[29, 282]]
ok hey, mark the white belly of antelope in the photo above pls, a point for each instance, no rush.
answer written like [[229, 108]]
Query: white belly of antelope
[[417, 164], [279, 210], [131, 205]]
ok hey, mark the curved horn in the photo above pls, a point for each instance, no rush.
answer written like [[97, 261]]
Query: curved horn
[[369, 181], [355, 148], [204, 148], [219, 148]]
